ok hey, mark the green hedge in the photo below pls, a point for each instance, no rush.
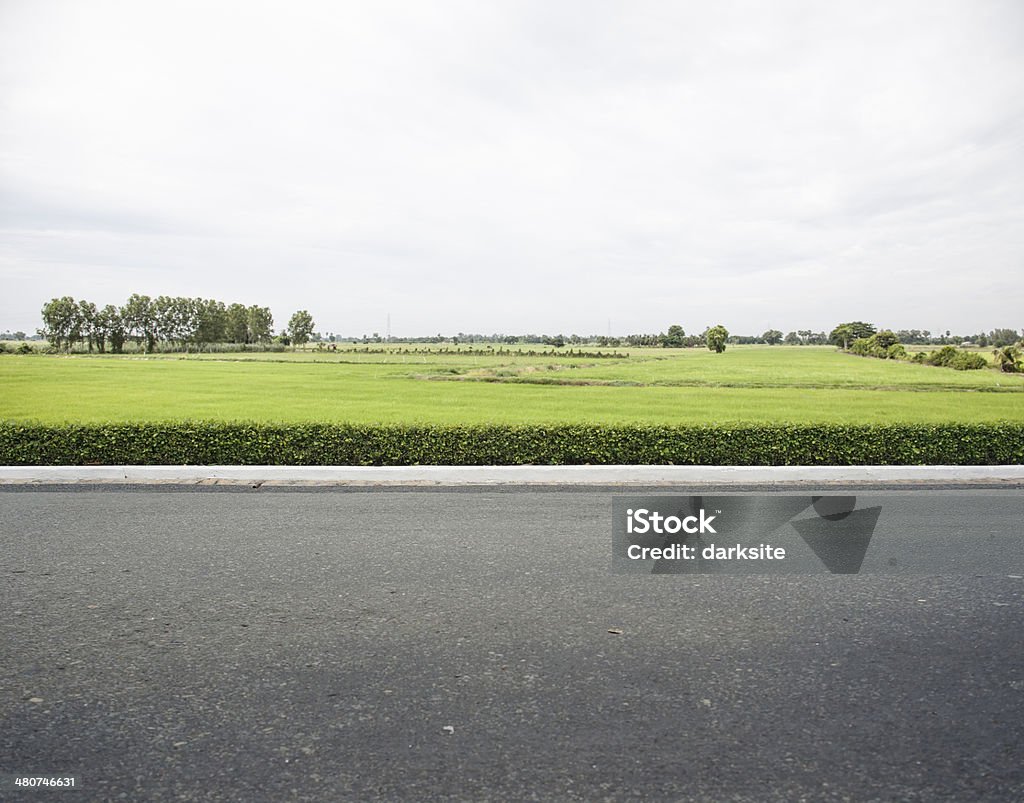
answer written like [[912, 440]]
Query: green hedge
[[216, 443]]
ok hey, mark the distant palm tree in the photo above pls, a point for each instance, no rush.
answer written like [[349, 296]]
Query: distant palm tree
[[1008, 359]]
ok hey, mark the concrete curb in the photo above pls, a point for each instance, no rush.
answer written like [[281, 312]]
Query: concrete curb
[[507, 475]]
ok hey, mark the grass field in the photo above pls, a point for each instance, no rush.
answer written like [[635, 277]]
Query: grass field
[[745, 384]]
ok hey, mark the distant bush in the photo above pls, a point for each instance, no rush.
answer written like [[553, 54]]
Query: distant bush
[[882, 345], [968, 361], [884, 340], [215, 443], [861, 347], [942, 357], [1008, 359]]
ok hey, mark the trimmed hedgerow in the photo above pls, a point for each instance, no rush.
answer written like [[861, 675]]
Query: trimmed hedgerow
[[218, 443]]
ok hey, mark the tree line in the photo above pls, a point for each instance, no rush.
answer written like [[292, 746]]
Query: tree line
[[846, 333], [865, 340], [177, 321], [180, 322]]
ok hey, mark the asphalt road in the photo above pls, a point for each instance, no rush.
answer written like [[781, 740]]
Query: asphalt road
[[271, 645]]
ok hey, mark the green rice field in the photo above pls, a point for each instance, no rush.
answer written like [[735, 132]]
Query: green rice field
[[421, 384]]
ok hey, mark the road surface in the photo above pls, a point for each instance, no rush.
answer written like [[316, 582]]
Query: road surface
[[410, 644]]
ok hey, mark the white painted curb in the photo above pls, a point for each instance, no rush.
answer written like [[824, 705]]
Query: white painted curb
[[509, 475]]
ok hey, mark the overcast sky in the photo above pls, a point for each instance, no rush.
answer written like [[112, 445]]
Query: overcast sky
[[519, 166]]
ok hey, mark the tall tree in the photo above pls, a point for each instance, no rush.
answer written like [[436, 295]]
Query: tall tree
[[211, 322], [165, 318], [237, 324], [140, 321], [186, 319], [87, 321], [845, 333], [300, 327], [674, 338], [61, 322], [110, 327], [261, 324]]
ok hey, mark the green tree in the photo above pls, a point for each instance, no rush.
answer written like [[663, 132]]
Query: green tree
[[87, 321], [61, 322], [300, 327], [237, 324], [110, 327], [1003, 337], [843, 336], [140, 321], [772, 337], [185, 319], [165, 311], [261, 324], [101, 329], [211, 322], [716, 338], [845, 333], [674, 338]]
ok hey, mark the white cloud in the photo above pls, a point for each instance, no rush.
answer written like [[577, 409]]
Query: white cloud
[[519, 166]]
